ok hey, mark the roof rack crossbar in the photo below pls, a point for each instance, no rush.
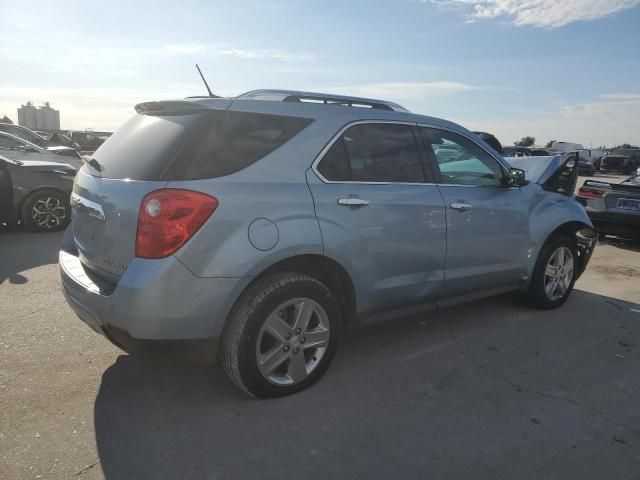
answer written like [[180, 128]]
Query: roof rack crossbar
[[338, 101], [326, 99]]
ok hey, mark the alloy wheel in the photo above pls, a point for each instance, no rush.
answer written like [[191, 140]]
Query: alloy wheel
[[558, 273], [292, 341], [48, 213]]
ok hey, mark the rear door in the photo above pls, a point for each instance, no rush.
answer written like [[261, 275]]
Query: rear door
[[487, 222], [380, 214]]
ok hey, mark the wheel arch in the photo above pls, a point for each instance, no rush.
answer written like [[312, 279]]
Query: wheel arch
[[584, 235], [322, 268], [41, 188]]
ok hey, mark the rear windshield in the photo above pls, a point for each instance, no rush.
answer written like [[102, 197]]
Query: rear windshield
[[144, 146], [194, 146]]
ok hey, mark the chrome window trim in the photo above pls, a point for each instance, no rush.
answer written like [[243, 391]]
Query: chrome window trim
[[320, 156]]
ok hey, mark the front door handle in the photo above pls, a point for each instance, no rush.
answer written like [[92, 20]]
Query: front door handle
[[353, 202], [460, 206]]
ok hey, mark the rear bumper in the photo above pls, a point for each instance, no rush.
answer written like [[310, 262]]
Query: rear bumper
[[625, 225], [155, 300]]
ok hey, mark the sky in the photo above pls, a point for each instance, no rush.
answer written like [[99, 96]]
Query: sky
[[554, 69]]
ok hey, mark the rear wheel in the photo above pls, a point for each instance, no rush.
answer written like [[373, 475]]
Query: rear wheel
[[554, 274], [281, 336], [46, 211]]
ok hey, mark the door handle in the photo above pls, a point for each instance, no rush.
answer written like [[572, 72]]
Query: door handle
[[353, 202], [460, 206]]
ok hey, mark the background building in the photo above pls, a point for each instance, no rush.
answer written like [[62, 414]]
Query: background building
[[39, 118]]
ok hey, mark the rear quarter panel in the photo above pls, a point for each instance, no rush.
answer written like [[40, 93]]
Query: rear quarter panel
[[274, 188], [223, 248]]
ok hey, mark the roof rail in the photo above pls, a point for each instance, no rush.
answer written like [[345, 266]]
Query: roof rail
[[323, 98]]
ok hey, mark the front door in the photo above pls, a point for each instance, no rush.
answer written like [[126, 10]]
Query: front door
[[379, 216], [487, 221]]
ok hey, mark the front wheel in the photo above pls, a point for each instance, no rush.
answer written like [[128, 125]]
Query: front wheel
[[46, 211], [555, 273], [282, 335]]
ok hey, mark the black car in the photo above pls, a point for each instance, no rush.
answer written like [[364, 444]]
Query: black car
[[60, 139], [490, 140], [623, 161], [614, 208], [36, 193], [88, 141]]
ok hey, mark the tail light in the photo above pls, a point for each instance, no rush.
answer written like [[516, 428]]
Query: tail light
[[589, 193], [168, 218]]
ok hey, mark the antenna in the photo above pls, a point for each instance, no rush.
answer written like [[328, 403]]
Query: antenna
[[206, 84]]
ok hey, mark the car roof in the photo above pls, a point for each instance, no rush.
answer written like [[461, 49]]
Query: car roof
[[285, 102]]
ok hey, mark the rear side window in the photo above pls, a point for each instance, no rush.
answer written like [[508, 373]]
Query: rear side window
[[372, 152], [231, 141], [192, 146]]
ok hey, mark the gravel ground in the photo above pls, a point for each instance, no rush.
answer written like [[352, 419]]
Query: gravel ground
[[490, 389]]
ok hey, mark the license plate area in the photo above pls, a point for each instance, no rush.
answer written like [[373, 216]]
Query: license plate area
[[628, 204]]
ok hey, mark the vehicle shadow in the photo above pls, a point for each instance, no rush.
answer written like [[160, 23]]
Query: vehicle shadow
[[459, 393], [625, 244], [21, 249]]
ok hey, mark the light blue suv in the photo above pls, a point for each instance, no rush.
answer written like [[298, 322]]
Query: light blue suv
[[267, 222]]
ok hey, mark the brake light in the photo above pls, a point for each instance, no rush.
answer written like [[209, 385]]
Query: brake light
[[589, 193], [168, 218]]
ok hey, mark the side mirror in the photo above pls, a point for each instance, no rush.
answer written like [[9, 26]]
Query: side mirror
[[516, 177]]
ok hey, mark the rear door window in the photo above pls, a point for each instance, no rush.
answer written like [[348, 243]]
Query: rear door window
[[374, 153]]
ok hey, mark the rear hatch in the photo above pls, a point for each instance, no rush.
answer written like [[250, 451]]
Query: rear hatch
[[108, 191], [166, 142]]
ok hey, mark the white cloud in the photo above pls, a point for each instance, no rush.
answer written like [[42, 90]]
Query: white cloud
[[540, 13], [184, 48], [612, 120], [80, 108], [270, 54], [623, 97]]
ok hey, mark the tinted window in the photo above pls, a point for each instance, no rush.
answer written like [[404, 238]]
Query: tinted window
[[335, 164], [231, 141], [461, 161], [192, 146], [8, 142], [144, 146], [374, 153]]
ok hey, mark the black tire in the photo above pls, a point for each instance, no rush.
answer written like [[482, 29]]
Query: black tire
[[51, 221], [536, 294], [241, 334]]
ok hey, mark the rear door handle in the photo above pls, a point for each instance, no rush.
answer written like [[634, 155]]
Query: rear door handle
[[353, 202], [460, 206]]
